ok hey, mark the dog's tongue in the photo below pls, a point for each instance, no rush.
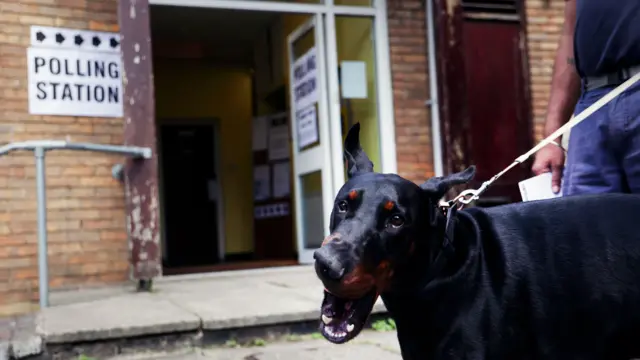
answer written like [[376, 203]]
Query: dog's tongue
[[339, 305]]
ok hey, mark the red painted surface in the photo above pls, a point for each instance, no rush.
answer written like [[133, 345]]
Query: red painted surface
[[498, 122], [451, 79], [139, 130]]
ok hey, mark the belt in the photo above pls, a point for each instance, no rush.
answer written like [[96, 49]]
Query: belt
[[610, 79]]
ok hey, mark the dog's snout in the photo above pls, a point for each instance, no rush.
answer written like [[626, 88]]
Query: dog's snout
[[327, 265]]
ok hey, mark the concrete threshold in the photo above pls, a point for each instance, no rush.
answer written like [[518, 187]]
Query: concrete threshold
[[188, 305]]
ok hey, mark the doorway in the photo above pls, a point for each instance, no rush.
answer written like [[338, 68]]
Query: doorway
[[257, 61], [191, 193], [485, 91]]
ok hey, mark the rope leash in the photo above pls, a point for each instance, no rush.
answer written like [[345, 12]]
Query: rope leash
[[469, 195]]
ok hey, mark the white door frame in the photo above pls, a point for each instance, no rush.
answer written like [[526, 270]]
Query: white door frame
[[318, 157]]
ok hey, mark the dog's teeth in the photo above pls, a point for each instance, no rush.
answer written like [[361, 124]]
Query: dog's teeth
[[325, 319], [350, 327]]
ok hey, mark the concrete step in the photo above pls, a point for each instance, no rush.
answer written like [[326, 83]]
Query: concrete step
[[369, 345], [186, 310]]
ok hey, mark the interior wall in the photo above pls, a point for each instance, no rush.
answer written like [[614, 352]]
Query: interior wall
[[354, 43], [195, 89]]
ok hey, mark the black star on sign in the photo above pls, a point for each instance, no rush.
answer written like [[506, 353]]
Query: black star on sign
[[59, 38], [40, 36], [78, 40], [96, 41], [114, 43]]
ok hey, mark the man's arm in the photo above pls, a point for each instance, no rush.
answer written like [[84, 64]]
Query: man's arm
[[565, 83]]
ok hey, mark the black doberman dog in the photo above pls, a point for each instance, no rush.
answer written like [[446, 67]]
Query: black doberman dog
[[550, 279]]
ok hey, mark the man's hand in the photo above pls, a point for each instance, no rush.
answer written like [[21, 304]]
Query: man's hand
[[565, 90], [550, 158]]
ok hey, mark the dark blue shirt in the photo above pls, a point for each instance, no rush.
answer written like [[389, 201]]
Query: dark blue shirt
[[607, 36]]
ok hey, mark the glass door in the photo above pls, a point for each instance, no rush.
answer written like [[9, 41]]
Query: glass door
[[313, 192]]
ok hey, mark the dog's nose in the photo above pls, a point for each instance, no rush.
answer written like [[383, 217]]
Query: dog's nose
[[327, 265]]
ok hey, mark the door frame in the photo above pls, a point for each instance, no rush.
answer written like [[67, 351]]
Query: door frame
[[214, 122], [317, 157]]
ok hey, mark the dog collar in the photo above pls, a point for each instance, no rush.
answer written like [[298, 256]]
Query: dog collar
[[446, 248]]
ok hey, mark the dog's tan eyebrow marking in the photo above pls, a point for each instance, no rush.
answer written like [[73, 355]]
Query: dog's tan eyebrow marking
[[353, 195], [330, 238], [389, 205]]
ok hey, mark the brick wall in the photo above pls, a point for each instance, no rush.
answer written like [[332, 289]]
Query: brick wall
[[544, 24], [409, 71], [87, 238]]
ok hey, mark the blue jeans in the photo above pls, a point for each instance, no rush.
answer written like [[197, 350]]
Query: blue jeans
[[604, 150]]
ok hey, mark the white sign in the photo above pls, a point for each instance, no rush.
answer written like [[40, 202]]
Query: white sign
[[72, 39], [307, 121], [305, 80], [74, 73], [353, 79], [271, 211]]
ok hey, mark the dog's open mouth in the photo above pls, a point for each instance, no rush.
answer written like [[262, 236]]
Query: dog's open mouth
[[342, 319]]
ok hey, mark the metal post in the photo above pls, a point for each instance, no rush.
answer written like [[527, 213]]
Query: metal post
[[434, 102], [43, 266]]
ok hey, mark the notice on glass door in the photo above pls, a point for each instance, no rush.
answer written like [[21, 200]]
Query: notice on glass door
[[307, 122], [305, 80]]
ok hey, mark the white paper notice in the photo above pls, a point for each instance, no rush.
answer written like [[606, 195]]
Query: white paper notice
[[260, 133], [353, 79], [537, 188], [281, 180], [307, 122], [261, 183], [305, 80], [278, 142]]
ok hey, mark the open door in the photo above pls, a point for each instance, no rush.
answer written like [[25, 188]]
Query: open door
[[313, 192]]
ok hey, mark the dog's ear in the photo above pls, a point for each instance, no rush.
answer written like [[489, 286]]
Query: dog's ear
[[355, 158], [437, 187]]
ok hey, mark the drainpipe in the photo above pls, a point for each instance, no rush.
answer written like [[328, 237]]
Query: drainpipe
[[433, 103]]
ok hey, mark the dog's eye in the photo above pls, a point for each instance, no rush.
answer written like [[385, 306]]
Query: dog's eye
[[396, 221], [343, 206]]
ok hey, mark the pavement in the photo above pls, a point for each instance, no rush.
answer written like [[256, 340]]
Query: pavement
[[19, 338], [369, 345], [224, 300]]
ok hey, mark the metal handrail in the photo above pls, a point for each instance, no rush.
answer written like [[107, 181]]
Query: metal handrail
[[40, 147], [135, 151]]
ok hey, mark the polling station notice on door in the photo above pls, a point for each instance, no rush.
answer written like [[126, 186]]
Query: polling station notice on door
[[305, 80]]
